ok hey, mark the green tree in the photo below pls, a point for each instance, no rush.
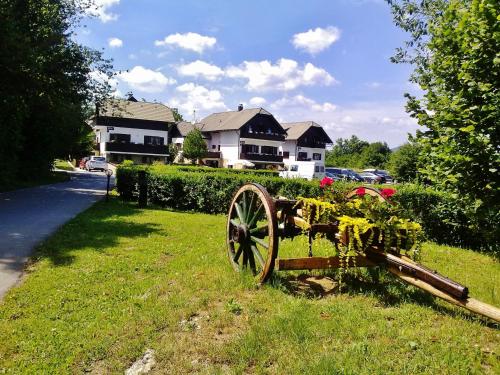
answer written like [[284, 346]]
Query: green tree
[[345, 152], [404, 162], [177, 116], [454, 46], [46, 85], [375, 155], [194, 146]]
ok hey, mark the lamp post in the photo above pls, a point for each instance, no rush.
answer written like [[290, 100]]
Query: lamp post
[[109, 173]]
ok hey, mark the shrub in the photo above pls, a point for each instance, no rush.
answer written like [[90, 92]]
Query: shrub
[[211, 190]]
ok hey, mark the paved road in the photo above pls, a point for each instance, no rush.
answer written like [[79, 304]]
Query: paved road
[[28, 216]]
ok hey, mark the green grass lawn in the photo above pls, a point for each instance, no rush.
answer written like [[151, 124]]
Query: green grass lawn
[[64, 165], [117, 280]]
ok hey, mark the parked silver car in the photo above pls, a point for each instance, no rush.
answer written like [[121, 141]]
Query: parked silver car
[[96, 163]]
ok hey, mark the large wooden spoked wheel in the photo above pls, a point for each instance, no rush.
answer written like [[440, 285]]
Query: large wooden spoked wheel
[[368, 191], [252, 229]]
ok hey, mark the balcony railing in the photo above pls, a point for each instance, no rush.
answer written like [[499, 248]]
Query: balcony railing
[[261, 157], [136, 148], [213, 155]]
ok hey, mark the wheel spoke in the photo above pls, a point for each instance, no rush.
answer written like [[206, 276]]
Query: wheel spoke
[[257, 254], [250, 207], [239, 212], [261, 231], [244, 208], [253, 220], [238, 254], [251, 260], [245, 256], [259, 241]]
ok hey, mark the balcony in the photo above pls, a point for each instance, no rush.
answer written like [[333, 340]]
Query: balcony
[[213, 155], [262, 157], [136, 148]]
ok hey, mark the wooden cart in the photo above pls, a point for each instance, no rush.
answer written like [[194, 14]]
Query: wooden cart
[[256, 221]]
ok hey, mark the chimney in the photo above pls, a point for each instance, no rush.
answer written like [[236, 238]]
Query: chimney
[[240, 107]]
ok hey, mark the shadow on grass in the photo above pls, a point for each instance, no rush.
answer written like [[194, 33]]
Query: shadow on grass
[[386, 288], [98, 228]]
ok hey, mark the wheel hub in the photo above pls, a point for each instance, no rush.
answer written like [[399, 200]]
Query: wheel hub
[[240, 233]]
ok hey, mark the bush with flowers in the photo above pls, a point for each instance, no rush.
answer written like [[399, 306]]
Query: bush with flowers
[[366, 217]]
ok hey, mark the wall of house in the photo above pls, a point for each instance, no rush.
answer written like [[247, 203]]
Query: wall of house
[[136, 135], [229, 146], [290, 146], [215, 139]]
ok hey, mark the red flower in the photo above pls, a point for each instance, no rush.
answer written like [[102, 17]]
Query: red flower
[[326, 181], [387, 193], [360, 191]]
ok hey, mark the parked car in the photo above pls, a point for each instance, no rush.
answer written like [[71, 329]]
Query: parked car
[[385, 176], [303, 169], [96, 162], [344, 174], [371, 178], [334, 176]]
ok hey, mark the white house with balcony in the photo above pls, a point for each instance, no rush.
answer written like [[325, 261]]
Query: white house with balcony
[[132, 130], [305, 141], [236, 139]]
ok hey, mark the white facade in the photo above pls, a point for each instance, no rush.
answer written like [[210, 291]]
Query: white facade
[[307, 153]]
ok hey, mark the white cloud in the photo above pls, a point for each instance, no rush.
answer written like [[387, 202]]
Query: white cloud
[[132, 56], [115, 42], [373, 85], [190, 41], [301, 102], [284, 75], [101, 9], [192, 97], [317, 40], [200, 68], [146, 80], [103, 79], [371, 121], [257, 101]]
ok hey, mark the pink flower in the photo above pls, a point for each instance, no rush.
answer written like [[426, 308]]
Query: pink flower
[[387, 193], [360, 191], [326, 181]]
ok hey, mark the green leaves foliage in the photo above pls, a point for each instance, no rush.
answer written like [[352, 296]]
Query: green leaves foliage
[[45, 85], [194, 146], [455, 46]]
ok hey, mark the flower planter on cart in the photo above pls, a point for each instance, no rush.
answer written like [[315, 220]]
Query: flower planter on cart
[[256, 221]]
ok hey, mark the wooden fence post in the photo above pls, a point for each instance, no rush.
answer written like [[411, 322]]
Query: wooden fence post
[[143, 189]]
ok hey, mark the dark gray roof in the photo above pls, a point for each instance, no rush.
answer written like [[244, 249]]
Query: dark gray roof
[[136, 110], [230, 120], [295, 130], [185, 127]]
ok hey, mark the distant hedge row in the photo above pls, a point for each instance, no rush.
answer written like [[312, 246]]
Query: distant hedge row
[[185, 188]]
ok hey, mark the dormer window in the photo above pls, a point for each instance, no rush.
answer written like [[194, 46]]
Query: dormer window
[[250, 130]]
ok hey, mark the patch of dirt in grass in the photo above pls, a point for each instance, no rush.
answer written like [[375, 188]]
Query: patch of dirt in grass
[[311, 286]]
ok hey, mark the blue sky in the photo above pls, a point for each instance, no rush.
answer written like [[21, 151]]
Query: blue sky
[[326, 61]]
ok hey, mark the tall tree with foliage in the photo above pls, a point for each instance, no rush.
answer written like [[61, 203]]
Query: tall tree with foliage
[[375, 155], [404, 162], [345, 152], [194, 146], [454, 47], [46, 85]]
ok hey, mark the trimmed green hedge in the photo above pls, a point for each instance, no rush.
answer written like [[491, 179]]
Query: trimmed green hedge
[[211, 192]]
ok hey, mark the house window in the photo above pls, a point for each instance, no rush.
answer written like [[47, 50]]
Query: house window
[[269, 150], [218, 147], [286, 154], [316, 156], [119, 138], [316, 169], [250, 149], [302, 156], [153, 141], [294, 168], [213, 147]]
